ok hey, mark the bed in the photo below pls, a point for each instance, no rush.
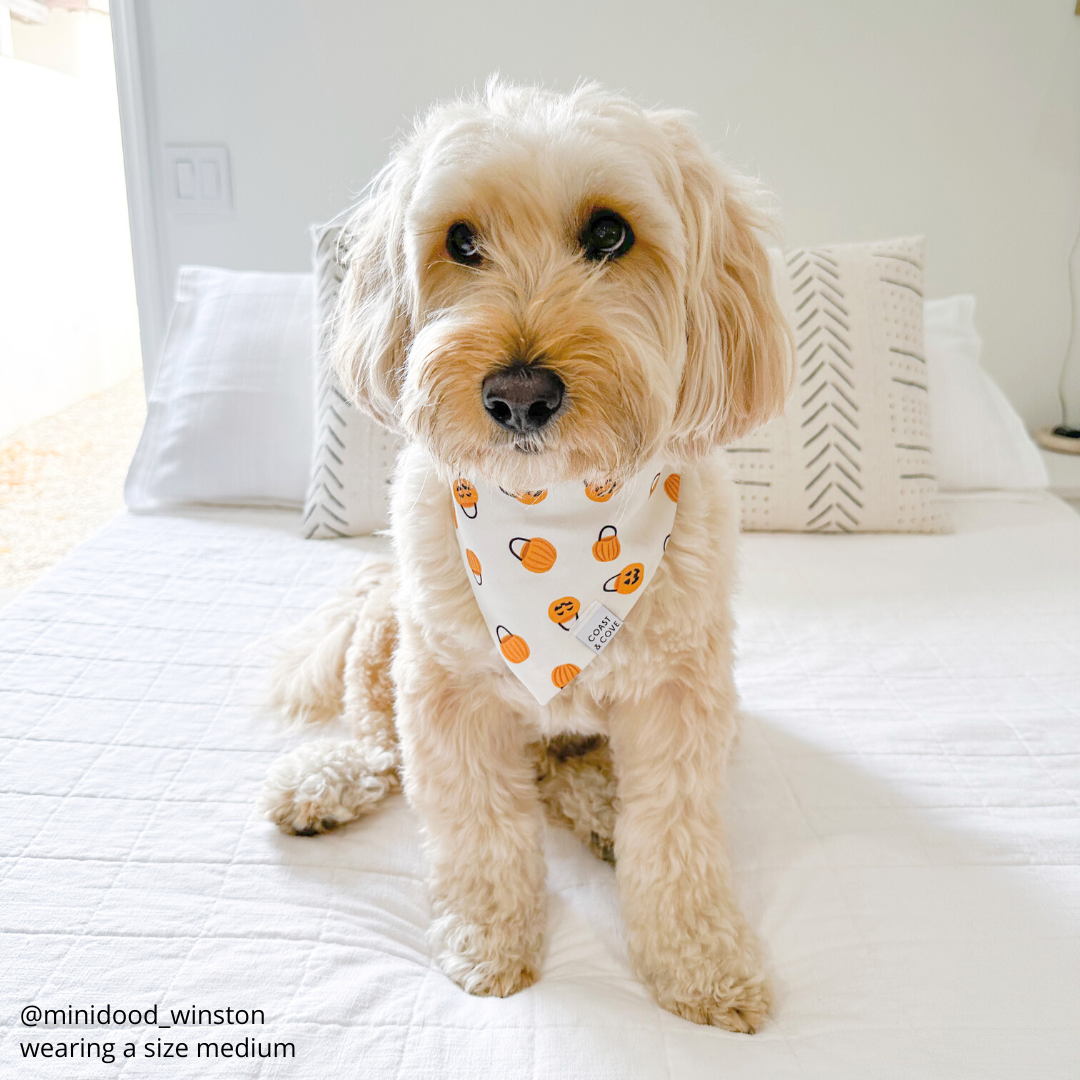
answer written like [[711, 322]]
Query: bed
[[903, 814]]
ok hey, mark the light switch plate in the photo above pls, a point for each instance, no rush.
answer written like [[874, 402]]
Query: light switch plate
[[198, 180]]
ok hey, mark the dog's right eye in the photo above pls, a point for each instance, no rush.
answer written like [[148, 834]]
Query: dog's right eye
[[606, 235], [462, 244]]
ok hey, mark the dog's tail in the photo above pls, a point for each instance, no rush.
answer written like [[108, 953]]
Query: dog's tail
[[307, 684]]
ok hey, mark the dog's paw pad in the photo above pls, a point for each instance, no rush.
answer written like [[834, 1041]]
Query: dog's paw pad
[[300, 813], [316, 829]]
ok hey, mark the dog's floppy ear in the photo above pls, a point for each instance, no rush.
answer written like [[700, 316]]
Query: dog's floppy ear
[[738, 345], [371, 323]]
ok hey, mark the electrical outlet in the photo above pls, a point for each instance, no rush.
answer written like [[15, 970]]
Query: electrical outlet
[[197, 180]]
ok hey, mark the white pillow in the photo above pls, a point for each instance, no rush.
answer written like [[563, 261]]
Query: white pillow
[[230, 416], [979, 440], [852, 452]]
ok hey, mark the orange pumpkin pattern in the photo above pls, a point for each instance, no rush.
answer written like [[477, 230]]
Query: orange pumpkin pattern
[[607, 548], [537, 554], [529, 498], [627, 580], [549, 623], [474, 566], [564, 611], [601, 492], [466, 497], [513, 647], [564, 673]]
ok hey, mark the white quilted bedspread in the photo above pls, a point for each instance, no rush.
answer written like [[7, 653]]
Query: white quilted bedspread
[[903, 818]]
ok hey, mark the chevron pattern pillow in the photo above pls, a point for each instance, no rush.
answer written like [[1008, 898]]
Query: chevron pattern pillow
[[852, 451], [354, 457]]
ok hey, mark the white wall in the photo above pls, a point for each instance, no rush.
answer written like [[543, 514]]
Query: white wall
[[959, 119], [68, 322]]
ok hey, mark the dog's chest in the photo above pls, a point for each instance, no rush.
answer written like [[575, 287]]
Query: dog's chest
[[578, 713]]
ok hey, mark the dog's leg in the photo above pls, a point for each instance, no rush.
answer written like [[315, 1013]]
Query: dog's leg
[[306, 683], [321, 785], [687, 937], [468, 775], [329, 782], [326, 783]]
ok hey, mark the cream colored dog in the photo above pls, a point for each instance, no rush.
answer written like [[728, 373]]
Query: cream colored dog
[[594, 260]]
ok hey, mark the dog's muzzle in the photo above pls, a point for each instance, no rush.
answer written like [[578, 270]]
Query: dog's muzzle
[[522, 397]]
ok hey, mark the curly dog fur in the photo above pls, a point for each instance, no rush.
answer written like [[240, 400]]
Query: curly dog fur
[[672, 347]]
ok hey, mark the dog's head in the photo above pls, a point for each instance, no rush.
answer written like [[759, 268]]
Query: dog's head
[[544, 287]]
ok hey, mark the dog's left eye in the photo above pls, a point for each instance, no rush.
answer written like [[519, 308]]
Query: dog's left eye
[[606, 236], [462, 244]]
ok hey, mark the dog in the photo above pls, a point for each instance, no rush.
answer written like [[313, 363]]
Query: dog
[[597, 265]]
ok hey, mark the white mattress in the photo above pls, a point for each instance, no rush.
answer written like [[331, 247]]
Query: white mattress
[[903, 817]]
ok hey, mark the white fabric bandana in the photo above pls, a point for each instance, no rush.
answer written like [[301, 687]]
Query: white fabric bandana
[[555, 572]]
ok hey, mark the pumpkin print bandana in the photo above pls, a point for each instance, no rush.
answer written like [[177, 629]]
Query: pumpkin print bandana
[[556, 571]]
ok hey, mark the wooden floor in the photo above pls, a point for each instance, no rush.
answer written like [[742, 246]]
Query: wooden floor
[[62, 478]]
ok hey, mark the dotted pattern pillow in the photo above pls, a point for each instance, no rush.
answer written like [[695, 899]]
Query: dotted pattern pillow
[[354, 457], [852, 452]]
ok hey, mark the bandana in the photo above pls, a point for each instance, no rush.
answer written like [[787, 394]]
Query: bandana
[[555, 572]]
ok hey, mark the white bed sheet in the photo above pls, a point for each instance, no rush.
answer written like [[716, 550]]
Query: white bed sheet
[[903, 815]]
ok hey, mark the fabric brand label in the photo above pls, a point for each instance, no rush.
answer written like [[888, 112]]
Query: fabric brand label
[[598, 627]]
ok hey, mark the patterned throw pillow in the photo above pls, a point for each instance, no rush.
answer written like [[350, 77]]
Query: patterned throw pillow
[[852, 451], [354, 457]]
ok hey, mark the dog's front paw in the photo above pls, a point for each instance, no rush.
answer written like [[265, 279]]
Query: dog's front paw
[[321, 785], [716, 985], [740, 1005], [489, 961]]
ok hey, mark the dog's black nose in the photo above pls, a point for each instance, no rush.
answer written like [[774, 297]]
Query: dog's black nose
[[522, 397]]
